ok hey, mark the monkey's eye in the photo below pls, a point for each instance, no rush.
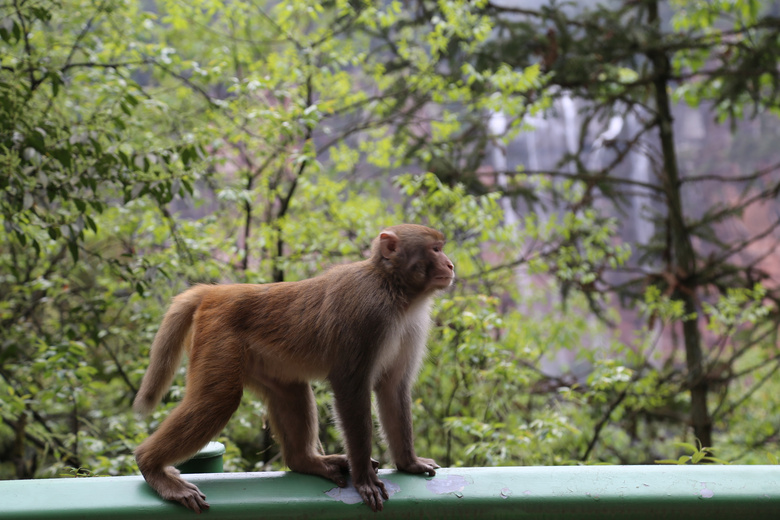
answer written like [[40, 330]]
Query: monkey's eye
[[436, 249]]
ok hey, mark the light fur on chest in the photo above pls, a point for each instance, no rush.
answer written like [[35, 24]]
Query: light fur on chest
[[403, 349]]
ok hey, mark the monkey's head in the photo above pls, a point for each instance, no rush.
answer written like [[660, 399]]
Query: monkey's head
[[414, 257]]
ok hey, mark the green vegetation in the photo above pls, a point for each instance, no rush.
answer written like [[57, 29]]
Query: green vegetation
[[145, 146]]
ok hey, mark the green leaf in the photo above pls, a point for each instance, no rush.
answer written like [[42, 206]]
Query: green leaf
[[73, 247], [91, 223]]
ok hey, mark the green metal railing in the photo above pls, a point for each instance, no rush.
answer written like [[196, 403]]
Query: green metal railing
[[581, 492]]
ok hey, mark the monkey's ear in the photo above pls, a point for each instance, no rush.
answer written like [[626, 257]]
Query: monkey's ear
[[388, 243]]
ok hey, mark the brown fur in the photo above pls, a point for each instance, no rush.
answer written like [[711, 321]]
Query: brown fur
[[362, 326]]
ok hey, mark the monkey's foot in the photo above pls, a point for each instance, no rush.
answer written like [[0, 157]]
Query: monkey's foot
[[419, 465], [374, 463], [171, 486], [331, 467]]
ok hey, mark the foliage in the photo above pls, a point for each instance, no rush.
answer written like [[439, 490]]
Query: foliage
[[694, 278], [147, 146], [698, 455], [82, 190]]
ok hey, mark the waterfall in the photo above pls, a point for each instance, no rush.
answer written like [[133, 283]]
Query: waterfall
[[570, 128], [639, 171], [497, 126]]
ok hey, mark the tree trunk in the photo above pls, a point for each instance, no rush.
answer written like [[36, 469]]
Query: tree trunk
[[682, 260]]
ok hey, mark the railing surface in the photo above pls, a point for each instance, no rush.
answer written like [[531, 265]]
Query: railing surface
[[597, 492]]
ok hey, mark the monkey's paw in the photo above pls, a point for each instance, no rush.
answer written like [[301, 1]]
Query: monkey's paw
[[419, 465], [191, 498], [373, 492], [171, 486]]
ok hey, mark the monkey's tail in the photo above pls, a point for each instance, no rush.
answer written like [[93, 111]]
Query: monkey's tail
[[168, 349]]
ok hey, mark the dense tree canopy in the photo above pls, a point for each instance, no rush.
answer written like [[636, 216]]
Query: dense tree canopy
[[145, 146]]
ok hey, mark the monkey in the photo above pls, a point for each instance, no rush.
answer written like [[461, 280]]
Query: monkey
[[361, 326]]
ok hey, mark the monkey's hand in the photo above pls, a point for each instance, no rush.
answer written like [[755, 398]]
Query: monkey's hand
[[372, 491], [171, 486], [419, 465], [191, 498]]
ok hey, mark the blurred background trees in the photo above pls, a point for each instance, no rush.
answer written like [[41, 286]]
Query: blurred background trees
[[606, 174]]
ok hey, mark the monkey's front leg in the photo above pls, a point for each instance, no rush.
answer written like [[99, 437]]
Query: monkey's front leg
[[395, 412], [353, 403]]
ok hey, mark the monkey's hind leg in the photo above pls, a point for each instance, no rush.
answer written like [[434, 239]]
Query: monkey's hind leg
[[293, 414], [191, 425]]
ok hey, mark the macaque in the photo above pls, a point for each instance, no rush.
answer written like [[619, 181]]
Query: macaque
[[362, 326]]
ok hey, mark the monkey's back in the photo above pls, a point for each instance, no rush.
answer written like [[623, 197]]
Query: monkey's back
[[287, 330]]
